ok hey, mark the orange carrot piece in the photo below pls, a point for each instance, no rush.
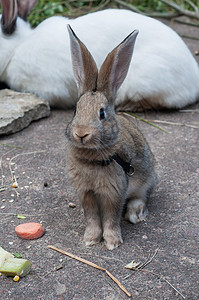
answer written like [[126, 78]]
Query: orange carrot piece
[[29, 231]]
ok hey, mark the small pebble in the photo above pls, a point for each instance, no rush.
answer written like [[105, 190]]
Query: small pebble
[[11, 200], [16, 278], [71, 204], [145, 237], [15, 185], [3, 200], [58, 268]]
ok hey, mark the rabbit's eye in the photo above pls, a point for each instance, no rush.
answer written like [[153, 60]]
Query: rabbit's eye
[[102, 113]]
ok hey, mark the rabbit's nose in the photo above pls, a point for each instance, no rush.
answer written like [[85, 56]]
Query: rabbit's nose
[[81, 137]]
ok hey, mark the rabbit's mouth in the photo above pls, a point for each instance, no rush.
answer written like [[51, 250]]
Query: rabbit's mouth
[[85, 138]]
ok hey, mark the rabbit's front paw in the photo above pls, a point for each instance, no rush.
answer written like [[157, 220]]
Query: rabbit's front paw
[[112, 239], [92, 235], [136, 211]]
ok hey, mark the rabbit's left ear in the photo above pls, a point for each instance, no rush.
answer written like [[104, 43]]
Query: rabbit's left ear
[[115, 67], [24, 7], [84, 66], [9, 16]]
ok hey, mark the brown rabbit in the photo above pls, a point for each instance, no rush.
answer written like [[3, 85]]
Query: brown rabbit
[[109, 161]]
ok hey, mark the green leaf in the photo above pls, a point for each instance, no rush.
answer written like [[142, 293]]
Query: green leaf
[[11, 146], [148, 122], [17, 255], [21, 217]]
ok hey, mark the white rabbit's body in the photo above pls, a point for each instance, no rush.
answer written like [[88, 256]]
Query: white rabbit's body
[[163, 73]]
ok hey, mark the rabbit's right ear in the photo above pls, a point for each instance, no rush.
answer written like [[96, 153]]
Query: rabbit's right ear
[[84, 66], [115, 67], [24, 7], [9, 16]]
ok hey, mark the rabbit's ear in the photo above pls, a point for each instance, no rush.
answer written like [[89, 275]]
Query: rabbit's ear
[[9, 16], [115, 67], [84, 66], [24, 7]]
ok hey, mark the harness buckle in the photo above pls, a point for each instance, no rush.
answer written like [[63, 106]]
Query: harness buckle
[[131, 171]]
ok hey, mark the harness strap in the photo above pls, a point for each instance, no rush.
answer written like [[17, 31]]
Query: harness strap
[[126, 166]]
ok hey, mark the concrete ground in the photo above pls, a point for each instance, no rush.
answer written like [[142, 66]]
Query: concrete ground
[[168, 239]]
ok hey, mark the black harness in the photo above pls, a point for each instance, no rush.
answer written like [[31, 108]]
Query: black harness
[[126, 166]]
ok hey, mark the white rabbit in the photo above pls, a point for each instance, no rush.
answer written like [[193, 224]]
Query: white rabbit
[[162, 74]]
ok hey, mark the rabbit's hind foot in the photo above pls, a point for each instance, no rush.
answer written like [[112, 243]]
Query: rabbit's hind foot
[[136, 211]]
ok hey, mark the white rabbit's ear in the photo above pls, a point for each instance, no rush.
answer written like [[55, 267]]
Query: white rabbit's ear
[[115, 67], [24, 7], [84, 66], [9, 16]]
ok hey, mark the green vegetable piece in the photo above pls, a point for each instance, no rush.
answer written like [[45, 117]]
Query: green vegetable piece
[[17, 255], [4, 255], [21, 217], [16, 266], [11, 266]]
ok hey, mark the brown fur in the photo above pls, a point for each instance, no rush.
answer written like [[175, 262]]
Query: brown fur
[[104, 189]]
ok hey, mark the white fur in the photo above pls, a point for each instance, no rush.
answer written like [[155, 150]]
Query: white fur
[[162, 69]]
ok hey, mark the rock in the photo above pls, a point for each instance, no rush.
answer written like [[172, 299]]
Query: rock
[[60, 288], [18, 110]]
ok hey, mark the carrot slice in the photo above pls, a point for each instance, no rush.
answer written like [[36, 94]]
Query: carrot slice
[[29, 231]]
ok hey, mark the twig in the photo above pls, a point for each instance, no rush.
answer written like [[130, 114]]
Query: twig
[[139, 266], [14, 179], [186, 23], [175, 124], [195, 111], [94, 266], [4, 188], [129, 6], [11, 146], [152, 14], [148, 261], [173, 287], [189, 37], [1, 166], [182, 11], [192, 5], [163, 278], [15, 214], [143, 120]]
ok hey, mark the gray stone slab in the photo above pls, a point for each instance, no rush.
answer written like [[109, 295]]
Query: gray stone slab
[[18, 110]]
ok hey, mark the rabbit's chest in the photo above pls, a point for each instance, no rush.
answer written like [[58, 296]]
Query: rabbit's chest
[[97, 178]]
